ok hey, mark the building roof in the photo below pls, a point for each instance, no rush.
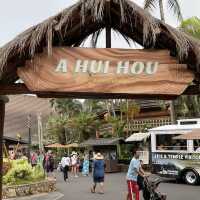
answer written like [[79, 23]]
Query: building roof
[[74, 24], [14, 140], [192, 135], [175, 127], [16, 116], [136, 137], [102, 142]]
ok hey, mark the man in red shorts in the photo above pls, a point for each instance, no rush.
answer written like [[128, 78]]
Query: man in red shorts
[[133, 172]]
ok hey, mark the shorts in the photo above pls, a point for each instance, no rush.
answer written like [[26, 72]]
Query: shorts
[[98, 179]]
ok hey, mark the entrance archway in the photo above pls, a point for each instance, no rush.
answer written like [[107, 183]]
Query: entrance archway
[[47, 41]]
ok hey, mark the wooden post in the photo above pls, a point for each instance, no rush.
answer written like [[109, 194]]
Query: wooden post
[[108, 25], [172, 112], [3, 100]]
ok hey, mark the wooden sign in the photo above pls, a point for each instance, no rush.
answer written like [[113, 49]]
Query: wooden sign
[[106, 71]]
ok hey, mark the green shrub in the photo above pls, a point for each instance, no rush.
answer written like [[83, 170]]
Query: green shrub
[[22, 172], [6, 166], [38, 172]]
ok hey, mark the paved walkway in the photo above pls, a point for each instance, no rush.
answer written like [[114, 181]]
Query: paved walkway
[[115, 189], [45, 196], [79, 188]]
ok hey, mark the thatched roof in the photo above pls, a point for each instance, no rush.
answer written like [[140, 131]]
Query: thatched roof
[[74, 24]]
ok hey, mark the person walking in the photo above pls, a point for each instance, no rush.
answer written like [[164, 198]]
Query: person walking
[[74, 163], [40, 158], [132, 177], [85, 169], [34, 159], [49, 164], [98, 173], [65, 163]]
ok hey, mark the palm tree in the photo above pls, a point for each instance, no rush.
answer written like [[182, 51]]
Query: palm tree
[[172, 4], [189, 106]]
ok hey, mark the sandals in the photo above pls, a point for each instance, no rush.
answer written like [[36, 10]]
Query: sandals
[[92, 190]]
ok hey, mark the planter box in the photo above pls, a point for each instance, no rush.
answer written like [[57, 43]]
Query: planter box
[[29, 189]]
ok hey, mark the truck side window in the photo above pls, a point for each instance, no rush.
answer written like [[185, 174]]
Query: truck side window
[[167, 142]]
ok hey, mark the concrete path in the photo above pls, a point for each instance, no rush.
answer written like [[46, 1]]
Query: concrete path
[[115, 189]]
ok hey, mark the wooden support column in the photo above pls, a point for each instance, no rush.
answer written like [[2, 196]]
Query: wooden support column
[[3, 100], [108, 25]]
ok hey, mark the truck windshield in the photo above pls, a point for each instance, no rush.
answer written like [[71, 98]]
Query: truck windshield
[[167, 142]]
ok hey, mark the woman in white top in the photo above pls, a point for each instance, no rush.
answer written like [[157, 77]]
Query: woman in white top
[[74, 159], [65, 163]]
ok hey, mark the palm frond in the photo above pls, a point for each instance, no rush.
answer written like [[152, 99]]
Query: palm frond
[[150, 4], [95, 37], [175, 6]]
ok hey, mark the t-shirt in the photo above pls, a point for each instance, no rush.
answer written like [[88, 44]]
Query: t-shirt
[[133, 169], [74, 159], [99, 168], [65, 161]]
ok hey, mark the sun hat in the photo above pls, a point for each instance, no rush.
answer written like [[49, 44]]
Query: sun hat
[[49, 151], [99, 156], [73, 153]]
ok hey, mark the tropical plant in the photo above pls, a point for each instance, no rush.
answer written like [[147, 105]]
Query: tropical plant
[[21, 172], [84, 125], [117, 126], [172, 5], [93, 105], [191, 26], [189, 106], [56, 128], [68, 107]]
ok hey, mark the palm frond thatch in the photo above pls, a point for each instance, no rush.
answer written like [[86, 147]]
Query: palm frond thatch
[[74, 24]]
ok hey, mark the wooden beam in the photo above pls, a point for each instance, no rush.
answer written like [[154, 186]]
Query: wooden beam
[[87, 95], [12, 89], [3, 100], [192, 90]]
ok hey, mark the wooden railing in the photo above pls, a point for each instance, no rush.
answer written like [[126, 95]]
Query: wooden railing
[[137, 125]]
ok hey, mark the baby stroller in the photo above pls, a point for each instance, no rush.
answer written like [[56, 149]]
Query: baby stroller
[[150, 190]]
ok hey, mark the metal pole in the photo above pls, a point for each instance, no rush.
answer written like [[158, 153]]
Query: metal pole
[[3, 100]]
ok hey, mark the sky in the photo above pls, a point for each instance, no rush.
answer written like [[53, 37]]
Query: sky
[[18, 15]]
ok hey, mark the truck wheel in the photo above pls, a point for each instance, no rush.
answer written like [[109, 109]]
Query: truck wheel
[[191, 177]]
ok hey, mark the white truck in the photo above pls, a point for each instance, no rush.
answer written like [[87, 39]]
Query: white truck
[[178, 158]]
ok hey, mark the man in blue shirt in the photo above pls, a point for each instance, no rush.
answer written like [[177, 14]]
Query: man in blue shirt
[[133, 171]]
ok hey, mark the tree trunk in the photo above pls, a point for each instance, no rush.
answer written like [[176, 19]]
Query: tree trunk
[[113, 108], [162, 16], [172, 112], [127, 118]]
